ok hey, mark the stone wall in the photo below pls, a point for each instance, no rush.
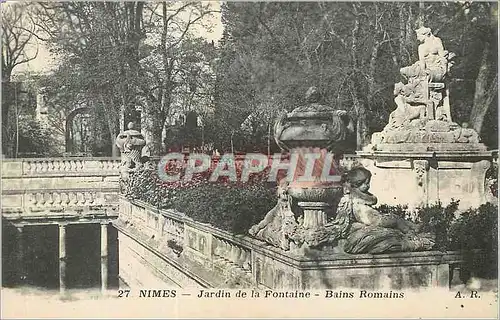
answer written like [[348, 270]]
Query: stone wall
[[178, 251]]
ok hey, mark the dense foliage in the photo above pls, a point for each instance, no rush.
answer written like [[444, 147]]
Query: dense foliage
[[467, 231], [231, 206]]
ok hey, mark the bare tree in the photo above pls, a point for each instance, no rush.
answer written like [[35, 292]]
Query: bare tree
[[19, 46], [17, 38]]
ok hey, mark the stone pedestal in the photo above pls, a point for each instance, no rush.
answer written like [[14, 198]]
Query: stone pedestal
[[422, 178], [314, 214]]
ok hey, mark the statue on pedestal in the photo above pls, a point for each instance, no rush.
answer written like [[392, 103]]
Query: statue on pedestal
[[422, 120]]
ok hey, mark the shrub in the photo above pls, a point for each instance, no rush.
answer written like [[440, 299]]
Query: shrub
[[477, 229], [233, 208], [438, 220], [230, 206]]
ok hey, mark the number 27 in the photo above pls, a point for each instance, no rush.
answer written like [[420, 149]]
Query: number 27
[[122, 292]]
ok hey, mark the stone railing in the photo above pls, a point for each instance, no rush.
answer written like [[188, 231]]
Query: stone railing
[[224, 259], [59, 184], [59, 166]]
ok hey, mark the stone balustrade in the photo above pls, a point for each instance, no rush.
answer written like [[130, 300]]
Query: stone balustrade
[[217, 258], [59, 166], [59, 184]]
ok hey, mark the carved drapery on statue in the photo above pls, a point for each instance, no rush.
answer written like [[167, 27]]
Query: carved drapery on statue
[[422, 119]]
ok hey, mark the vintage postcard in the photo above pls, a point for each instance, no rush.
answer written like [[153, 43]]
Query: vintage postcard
[[223, 159]]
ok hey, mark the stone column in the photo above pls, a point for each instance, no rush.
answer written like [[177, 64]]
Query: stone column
[[21, 254], [104, 256], [62, 258]]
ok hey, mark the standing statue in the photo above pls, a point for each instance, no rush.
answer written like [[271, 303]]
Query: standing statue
[[132, 145]]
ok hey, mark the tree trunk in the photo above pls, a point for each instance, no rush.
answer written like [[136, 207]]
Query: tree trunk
[[6, 101], [486, 89], [361, 119], [156, 143], [359, 106]]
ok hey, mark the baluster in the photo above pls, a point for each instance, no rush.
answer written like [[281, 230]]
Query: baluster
[[38, 166], [80, 165], [72, 198], [234, 254], [215, 247], [57, 165], [85, 198], [247, 262], [222, 250], [57, 199], [80, 198], [92, 197], [27, 167], [44, 166], [50, 166], [237, 258], [50, 199], [64, 199], [227, 251], [41, 201], [241, 256]]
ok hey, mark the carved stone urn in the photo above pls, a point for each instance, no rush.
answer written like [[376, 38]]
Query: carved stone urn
[[315, 136]]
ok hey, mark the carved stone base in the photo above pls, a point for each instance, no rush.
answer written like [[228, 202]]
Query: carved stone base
[[368, 272], [421, 178], [429, 135]]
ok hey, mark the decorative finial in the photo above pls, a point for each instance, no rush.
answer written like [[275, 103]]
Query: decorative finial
[[312, 95]]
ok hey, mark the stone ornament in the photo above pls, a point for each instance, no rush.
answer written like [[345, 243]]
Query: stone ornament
[[132, 145], [303, 206], [364, 229], [421, 167], [422, 119]]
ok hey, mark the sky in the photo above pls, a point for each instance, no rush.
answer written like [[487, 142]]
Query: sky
[[45, 61]]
